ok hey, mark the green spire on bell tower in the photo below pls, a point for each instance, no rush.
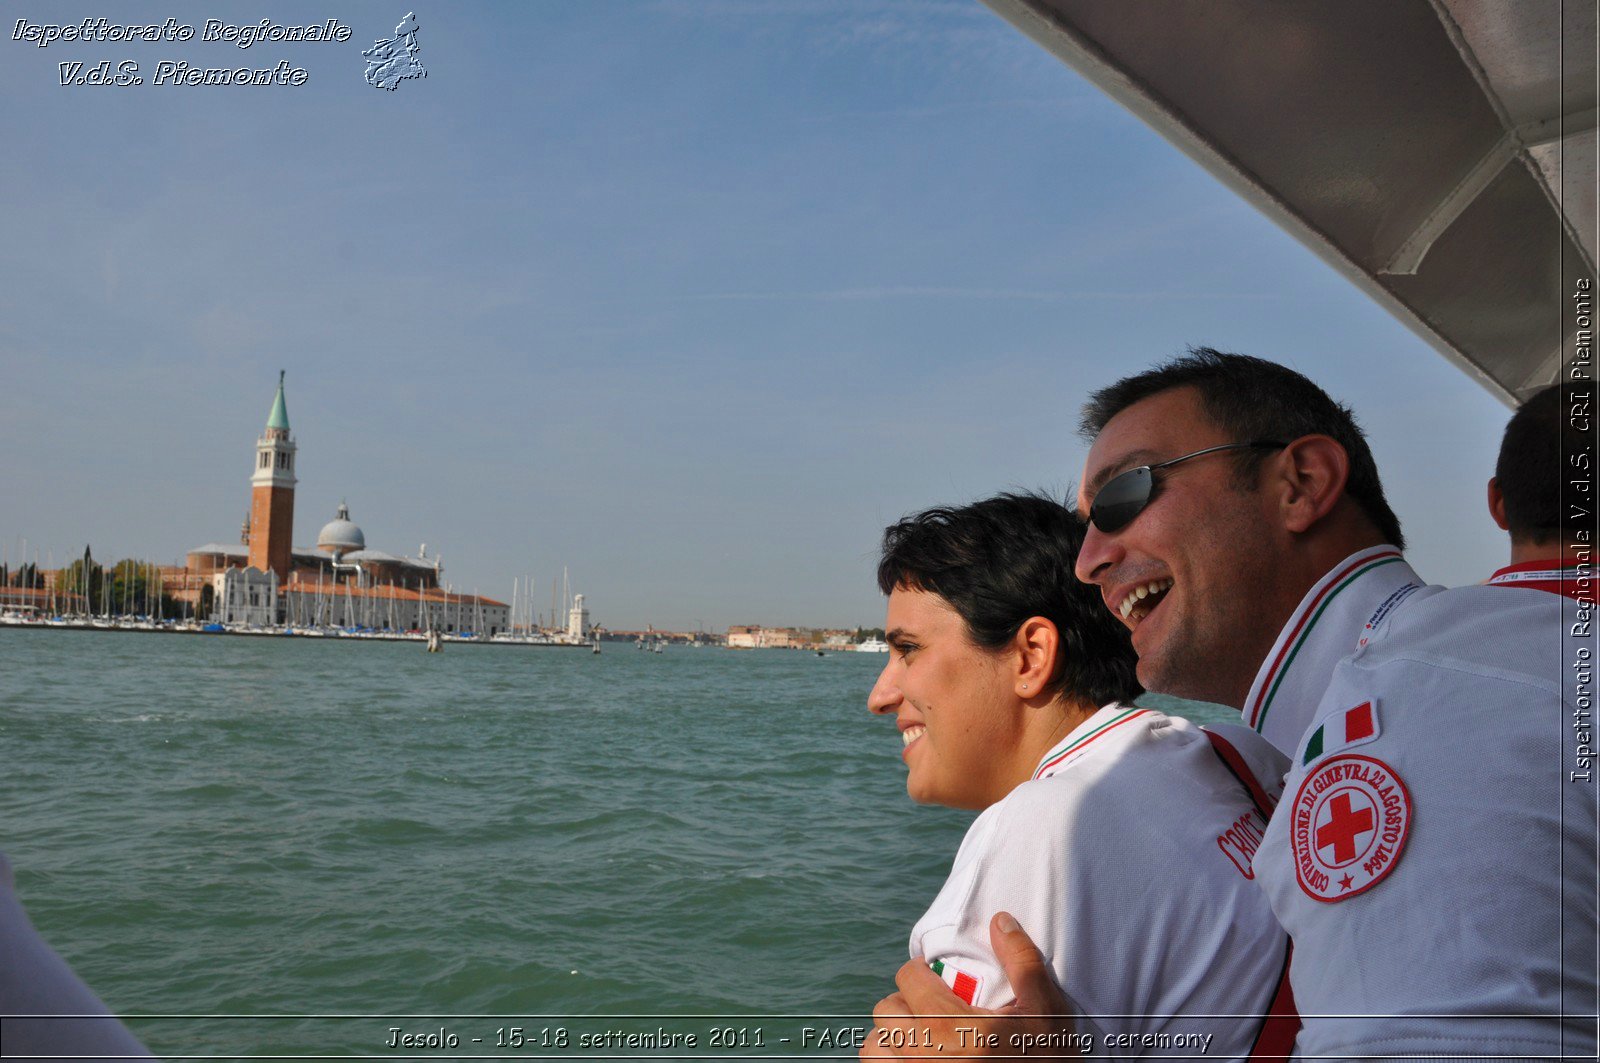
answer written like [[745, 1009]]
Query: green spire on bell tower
[[279, 417]]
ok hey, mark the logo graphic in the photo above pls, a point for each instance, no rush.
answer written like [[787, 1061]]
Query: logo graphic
[[391, 62], [1376, 620], [1348, 826]]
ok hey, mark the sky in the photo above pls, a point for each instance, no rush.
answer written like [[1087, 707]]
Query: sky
[[689, 298]]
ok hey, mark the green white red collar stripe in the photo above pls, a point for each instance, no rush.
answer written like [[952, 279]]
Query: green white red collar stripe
[[1304, 621], [1090, 731]]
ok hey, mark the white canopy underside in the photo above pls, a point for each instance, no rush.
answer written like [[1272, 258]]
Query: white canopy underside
[[1439, 153]]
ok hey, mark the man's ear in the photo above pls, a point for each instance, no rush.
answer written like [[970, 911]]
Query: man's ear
[[1497, 504], [1037, 643], [1310, 475]]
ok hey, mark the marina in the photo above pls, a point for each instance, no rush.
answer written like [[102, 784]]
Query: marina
[[180, 627]]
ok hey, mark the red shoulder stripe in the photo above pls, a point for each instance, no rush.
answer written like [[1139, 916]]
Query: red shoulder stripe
[[1234, 761], [1275, 1039]]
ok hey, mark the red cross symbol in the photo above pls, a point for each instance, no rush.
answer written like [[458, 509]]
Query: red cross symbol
[[1343, 827]]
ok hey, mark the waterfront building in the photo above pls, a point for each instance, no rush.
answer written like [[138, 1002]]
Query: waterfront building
[[388, 608], [272, 493], [783, 638], [578, 619], [267, 581], [756, 637], [248, 596]]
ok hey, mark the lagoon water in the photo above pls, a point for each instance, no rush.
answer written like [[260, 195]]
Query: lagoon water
[[234, 840]]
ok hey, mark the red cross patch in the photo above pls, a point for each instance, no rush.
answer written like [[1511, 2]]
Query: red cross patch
[[1348, 826]]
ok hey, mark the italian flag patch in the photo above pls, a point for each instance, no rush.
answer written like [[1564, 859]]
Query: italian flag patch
[[960, 982], [1346, 730]]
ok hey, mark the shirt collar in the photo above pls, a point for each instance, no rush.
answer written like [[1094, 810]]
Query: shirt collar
[[1573, 581], [1085, 736], [1335, 617]]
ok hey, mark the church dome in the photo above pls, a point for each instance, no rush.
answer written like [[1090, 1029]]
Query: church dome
[[340, 535]]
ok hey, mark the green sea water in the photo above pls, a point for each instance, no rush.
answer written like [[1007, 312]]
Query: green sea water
[[234, 840]]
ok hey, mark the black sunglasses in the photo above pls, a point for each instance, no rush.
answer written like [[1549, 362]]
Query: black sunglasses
[[1126, 494]]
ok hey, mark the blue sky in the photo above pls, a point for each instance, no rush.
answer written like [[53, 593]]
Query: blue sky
[[691, 298]]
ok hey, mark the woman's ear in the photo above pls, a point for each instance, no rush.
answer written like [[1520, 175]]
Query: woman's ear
[[1037, 643]]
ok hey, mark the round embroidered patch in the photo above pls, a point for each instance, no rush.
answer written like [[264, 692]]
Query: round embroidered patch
[[1348, 826]]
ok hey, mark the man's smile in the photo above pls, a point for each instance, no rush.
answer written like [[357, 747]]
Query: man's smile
[[1140, 600]]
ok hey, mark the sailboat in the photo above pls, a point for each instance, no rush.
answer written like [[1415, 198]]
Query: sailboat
[[431, 633]]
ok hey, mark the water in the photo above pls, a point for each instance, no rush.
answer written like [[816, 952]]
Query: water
[[264, 830]]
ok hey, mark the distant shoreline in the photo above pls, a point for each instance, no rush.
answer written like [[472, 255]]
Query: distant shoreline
[[421, 638]]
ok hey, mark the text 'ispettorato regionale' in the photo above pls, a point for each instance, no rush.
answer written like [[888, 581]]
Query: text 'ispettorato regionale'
[[172, 71]]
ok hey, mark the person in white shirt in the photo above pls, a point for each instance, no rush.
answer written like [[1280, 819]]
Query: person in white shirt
[[1434, 855], [1552, 545], [1106, 828]]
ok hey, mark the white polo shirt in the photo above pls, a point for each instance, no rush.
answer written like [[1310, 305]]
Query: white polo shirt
[[1352, 600], [1433, 856], [1127, 859]]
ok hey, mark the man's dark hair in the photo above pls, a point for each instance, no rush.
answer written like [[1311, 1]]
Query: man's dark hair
[[1530, 468], [1256, 399], [1003, 560]]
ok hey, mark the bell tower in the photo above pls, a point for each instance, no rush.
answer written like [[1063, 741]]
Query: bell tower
[[272, 493]]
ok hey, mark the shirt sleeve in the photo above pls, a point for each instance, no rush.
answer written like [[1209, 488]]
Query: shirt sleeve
[[1154, 934], [35, 981], [949, 936], [1017, 858]]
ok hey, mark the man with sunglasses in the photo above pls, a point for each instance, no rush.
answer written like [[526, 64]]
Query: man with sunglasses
[[1212, 566], [1433, 857]]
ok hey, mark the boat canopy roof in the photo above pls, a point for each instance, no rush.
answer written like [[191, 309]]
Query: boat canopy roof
[[1439, 153]]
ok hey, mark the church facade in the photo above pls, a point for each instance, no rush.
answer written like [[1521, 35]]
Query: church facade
[[266, 581]]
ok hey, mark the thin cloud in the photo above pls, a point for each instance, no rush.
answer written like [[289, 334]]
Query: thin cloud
[[721, 9], [846, 25], [924, 292], [939, 110]]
